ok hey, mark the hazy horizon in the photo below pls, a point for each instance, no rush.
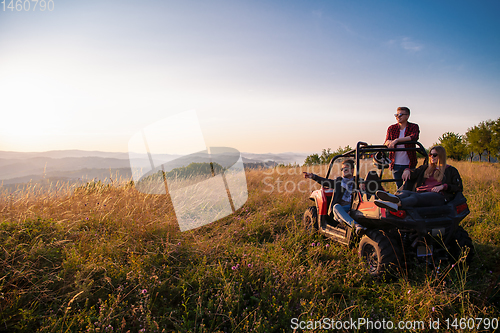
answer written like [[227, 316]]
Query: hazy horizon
[[127, 153], [22, 167]]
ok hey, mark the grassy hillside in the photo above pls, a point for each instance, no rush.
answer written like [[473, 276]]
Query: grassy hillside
[[106, 258]]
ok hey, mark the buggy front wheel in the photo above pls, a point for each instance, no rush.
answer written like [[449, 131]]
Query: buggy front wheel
[[310, 219], [380, 253]]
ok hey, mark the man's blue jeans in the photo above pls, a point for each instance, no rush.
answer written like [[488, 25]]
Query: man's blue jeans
[[346, 208], [397, 173]]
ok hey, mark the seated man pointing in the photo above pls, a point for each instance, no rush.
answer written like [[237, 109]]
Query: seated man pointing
[[343, 187]]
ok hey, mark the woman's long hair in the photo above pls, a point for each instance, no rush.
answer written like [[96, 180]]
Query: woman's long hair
[[437, 170]]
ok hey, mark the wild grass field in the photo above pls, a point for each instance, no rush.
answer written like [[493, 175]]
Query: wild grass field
[[106, 258]]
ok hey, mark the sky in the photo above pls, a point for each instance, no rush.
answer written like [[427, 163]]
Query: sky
[[261, 76]]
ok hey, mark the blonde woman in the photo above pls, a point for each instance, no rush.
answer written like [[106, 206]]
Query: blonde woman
[[429, 185]]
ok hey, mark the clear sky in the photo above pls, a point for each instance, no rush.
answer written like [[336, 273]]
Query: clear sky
[[263, 76]]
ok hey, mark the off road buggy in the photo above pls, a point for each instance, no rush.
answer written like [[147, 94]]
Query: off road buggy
[[391, 239]]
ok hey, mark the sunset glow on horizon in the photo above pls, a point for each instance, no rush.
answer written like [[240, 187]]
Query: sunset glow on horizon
[[262, 76]]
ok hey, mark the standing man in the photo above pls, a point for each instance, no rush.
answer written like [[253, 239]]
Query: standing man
[[399, 133]]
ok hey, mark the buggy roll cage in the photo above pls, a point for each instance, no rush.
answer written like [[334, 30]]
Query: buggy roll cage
[[364, 149]]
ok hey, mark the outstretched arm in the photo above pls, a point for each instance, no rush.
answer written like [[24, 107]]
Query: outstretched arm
[[325, 182]]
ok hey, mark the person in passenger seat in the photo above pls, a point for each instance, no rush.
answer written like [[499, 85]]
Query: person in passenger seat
[[431, 184]]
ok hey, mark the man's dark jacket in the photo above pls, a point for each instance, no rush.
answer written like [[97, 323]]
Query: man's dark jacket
[[335, 184]]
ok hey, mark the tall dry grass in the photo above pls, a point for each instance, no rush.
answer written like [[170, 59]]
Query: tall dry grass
[[107, 258]]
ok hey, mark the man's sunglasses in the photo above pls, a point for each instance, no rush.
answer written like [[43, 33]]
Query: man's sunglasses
[[397, 115]]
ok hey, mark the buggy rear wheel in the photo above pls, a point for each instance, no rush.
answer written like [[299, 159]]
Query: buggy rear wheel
[[380, 253], [310, 219]]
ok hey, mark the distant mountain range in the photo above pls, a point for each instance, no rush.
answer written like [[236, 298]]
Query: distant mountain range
[[74, 165]]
